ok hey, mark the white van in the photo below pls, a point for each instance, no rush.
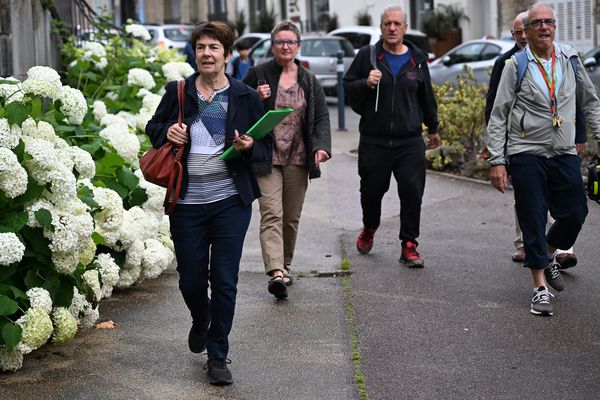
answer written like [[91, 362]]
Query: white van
[[360, 36]]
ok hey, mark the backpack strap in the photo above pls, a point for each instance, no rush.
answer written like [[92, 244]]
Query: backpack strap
[[522, 63], [373, 56]]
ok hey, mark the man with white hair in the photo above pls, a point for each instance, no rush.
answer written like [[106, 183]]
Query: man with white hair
[[531, 135], [389, 86]]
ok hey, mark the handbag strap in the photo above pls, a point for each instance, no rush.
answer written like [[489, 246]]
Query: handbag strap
[[176, 176]]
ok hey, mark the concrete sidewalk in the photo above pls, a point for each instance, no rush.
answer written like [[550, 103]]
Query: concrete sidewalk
[[459, 328]]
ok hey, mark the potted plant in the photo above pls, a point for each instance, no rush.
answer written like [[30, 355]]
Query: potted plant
[[442, 26]]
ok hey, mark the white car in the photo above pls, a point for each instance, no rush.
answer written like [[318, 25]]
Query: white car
[[479, 55], [360, 36], [173, 36], [251, 38]]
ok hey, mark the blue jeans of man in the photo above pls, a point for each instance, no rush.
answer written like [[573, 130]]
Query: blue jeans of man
[[544, 184], [208, 241]]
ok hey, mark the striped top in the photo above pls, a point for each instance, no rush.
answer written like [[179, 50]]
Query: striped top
[[209, 178]]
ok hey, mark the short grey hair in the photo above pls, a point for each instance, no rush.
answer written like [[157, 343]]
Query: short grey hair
[[534, 6], [285, 26], [394, 8]]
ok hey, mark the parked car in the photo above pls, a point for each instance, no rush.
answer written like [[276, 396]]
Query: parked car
[[173, 36], [360, 36], [479, 55], [591, 60], [251, 38], [317, 53]]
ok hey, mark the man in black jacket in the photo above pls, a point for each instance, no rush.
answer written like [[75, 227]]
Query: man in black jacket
[[389, 86]]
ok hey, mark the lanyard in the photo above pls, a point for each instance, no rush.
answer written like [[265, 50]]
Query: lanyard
[[556, 119]]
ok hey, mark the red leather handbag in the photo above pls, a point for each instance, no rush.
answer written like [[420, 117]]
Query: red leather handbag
[[163, 166]]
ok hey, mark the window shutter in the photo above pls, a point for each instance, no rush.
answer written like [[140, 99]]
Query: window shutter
[[575, 23]]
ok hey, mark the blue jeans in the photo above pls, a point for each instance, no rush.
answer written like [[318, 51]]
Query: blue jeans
[[208, 242], [547, 184]]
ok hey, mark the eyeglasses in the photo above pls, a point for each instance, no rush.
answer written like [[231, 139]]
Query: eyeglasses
[[281, 43], [518, 33], [537, 23]]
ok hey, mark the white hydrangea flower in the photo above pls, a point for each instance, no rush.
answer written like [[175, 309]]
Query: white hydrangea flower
[[90, 316], [126, 144], [36, 328], [128, 276], [9, 135], [41, 130], [156, 259], [102, 63], [65, 325], [138, 31], [141, 119], [177, 70], [63, 187], [87, 251], [13, 177], [65, 158], [111, 216], [112, 95], [84, 163], [73, 104], [11, 248], [65, 263], [140, 77], [11, 359], [78, 304], [91, 278], [93, 49], [137, 224], [42, 81], [109, 272], [40, 298], [150, 102], [11, 92], [134, 254], [143, 92], [99, 110], [42, 153], [127, 117]]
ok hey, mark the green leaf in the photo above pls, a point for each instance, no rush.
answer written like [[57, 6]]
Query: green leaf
[[11, 333], [36, 108], [7, 82], [8, 271], [44, 218], [86, 195], [7, 305], [112, 159], [65, 128], [137, 197], [98, 238], [117, 187], [33, 279], [52, 285], [17, 112], [64, 293], [93, 147], [126, 177], [20, 150], [36, 241], [14, 222], [33, 192]]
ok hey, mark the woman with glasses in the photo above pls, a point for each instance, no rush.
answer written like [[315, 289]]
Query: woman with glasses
[[301, 142]]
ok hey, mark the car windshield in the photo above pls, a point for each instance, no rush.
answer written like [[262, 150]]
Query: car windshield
[[179, 34], [357, 39], [326, 48]]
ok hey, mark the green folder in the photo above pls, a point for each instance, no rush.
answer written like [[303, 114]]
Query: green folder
[[260, 129]]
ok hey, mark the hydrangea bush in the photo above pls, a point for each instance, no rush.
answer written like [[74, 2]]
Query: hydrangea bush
[[78, 218]]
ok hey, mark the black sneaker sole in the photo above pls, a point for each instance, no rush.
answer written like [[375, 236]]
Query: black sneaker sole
[[364, 250], [219, 382], [278, 289]]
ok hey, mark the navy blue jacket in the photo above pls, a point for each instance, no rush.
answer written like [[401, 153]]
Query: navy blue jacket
[[245, 108]]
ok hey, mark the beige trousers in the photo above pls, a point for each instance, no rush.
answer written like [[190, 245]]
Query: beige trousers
[[280, 207]]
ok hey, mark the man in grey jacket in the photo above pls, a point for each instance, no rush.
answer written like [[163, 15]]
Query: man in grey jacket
[[532, 133]]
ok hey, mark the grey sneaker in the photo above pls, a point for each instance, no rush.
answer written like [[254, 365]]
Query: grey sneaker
[[540, 303], [553, 276]]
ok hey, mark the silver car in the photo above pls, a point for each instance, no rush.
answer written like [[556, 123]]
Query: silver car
[[173, 36], [317, 53], [479, 55], [591, 60]]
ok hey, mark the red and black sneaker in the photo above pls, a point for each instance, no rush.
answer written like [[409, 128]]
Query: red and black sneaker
[[364, 243], [410, 256]]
